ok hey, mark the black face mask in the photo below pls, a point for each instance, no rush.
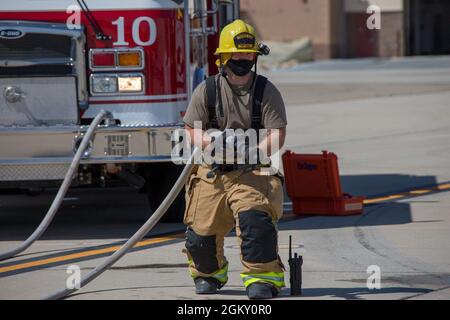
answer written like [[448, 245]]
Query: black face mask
[[240, 67]]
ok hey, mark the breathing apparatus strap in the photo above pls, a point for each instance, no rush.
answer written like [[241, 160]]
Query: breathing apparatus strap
[[211, 102], [213, 93], [257, 102]]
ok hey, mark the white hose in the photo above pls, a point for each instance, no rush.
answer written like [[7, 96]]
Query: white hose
[[151, 222], [62, 190]]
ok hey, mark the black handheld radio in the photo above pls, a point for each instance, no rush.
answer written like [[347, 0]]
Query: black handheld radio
[[295, 272]]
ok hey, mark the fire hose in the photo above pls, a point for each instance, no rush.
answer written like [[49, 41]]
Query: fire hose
[[146, 228], [62, 189]]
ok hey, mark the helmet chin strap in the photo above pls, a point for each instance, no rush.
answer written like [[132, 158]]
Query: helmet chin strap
[[223, 72]]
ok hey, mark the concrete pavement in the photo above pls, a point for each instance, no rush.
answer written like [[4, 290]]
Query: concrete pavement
[[390, 128]]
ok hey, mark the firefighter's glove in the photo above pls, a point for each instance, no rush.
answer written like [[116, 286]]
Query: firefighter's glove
[[234, 148]]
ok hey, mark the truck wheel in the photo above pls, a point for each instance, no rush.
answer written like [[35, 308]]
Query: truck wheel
[[161, 177]]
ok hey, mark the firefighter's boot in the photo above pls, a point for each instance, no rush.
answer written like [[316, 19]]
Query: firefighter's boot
[[261, 290], [206, 286]]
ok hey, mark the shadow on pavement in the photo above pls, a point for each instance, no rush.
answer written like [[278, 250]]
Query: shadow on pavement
[[118, 212], [376, 185], [390, 213], [383, 213], [192, 295], [115, 213], [355, 293], [343, 293]]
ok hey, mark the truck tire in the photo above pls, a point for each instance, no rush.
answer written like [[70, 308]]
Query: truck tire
[[161, 177]]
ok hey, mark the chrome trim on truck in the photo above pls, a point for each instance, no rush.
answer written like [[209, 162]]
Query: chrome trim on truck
[[116, 51], [36, 62], [55, 145]]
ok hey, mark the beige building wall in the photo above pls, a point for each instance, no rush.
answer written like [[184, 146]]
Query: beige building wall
[[288, 20], [324, 22]]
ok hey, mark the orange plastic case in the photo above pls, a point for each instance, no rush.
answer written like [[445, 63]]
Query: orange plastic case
[[313, 184]]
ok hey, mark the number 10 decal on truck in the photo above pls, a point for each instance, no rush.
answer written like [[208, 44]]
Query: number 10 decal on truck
[[62, 62]]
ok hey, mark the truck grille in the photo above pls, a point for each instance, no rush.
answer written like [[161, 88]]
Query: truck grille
[[36, 70], [43, 50], [118, 145], [35, 46], [42, 54]]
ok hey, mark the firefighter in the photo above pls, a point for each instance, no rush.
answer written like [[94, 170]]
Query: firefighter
[[236, 98]]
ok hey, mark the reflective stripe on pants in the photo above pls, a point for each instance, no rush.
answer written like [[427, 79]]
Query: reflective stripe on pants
[[275, 278], [221, 275]]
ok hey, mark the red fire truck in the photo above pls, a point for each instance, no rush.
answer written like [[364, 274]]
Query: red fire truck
[[63, 61]]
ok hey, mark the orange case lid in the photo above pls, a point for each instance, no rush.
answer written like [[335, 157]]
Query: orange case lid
[[312, 175]]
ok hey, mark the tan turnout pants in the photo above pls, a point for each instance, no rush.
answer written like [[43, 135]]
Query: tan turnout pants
[[251, 202]]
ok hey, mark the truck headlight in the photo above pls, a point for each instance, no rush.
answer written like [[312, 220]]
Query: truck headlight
[[114, 84], [130, 84], [104, 84]]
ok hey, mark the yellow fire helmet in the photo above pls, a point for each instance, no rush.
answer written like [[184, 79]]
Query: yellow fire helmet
[[237, 36]]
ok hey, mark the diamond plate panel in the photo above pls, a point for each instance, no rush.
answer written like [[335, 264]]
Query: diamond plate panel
[[33, 172]]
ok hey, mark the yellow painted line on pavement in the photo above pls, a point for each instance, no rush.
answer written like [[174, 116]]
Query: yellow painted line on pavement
[[375, 200], [419, 191], [416, 192], [443, 186], [83, 254]]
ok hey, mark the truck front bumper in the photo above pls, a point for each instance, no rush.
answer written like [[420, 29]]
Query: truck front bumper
[[45, 153]]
